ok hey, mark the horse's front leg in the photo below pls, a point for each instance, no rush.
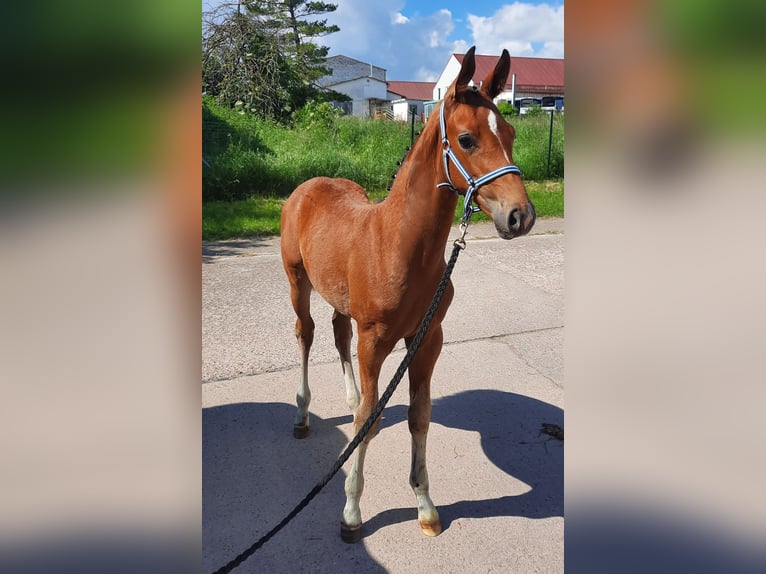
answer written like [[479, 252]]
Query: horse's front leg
[[372, 352], [419, 419]]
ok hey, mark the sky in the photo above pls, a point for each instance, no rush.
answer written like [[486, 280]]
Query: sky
[[413, 40]]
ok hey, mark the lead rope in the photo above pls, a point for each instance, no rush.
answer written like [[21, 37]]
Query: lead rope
[[459, 245]]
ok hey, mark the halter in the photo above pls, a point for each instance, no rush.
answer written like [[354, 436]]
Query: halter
[[473, 184]]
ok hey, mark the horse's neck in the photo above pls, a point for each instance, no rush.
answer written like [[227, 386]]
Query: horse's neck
[[426, 211]]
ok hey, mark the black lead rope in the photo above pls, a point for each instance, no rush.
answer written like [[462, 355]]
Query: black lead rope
[[411, 350]]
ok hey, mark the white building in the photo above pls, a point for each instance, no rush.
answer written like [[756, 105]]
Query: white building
[[364, 83], [530, 79], [409, 95]]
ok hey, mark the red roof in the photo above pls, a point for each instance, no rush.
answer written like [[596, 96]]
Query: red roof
[[413, 90], [530, 72]]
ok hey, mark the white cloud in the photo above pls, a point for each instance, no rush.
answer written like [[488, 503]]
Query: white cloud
[[410, 48], [460, 47], [517, 27], [424, 75], [399, 18], [551, 50], [417, 47]]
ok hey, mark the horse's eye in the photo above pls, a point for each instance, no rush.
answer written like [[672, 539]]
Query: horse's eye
[[466, 141]]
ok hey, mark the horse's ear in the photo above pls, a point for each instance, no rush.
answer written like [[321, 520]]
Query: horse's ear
[[466, 70], [495, 81]]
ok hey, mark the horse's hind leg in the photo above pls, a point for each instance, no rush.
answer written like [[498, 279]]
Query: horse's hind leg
[[419, 418], [341, 325], [300, 295]]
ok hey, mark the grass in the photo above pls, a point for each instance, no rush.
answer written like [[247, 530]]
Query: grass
[[254, 216], [250, 157], [251, 164], [548, 197], [246, 156], [257, 216], [530, 150]]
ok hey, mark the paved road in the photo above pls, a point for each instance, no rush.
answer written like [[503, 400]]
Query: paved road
[[498, 482]]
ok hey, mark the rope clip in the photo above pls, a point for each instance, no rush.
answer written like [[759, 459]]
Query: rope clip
[[460, 241]]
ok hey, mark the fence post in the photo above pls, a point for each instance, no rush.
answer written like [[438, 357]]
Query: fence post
[[550, 143], [413, 111]]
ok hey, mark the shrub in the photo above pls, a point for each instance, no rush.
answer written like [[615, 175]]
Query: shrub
[[507, 110], [316, 114], [534, 111]]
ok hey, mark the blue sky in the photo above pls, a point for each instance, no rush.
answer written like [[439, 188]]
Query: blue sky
[[413, 40]]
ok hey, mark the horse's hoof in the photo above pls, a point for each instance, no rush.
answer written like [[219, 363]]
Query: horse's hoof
[[300, 431], [431, 528], [350, 534]]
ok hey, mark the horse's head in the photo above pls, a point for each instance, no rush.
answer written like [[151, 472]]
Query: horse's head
[[478, 148]]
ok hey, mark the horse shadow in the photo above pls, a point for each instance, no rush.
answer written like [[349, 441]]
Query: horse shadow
[[254, 473], [509, 425]]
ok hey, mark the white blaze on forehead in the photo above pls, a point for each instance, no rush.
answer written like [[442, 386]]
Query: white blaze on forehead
[[492, 120]]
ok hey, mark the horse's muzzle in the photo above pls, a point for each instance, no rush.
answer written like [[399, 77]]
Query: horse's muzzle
[[518, 221]]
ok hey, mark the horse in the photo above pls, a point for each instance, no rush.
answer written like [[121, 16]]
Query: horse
[[380, 263]]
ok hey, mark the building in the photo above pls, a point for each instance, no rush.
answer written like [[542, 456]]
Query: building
[[406, 95], [364, 83], [531, 80]]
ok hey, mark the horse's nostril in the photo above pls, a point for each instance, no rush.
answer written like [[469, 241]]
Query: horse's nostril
[[514, 219]]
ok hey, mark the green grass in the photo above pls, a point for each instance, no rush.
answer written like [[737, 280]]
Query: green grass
[[530, 149], [547, 196], [250, 157], [260, 216], [246, 156], [254, 216], [252, 164]]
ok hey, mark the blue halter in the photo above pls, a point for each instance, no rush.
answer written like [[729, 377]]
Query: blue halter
[[473, 184]]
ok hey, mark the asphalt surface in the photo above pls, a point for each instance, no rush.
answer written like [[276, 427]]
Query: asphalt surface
[[496, 479]]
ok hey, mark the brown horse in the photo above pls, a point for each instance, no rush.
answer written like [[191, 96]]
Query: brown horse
[[381, 263]]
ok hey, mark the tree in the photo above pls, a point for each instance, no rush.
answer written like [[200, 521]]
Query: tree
[[259, 52]]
